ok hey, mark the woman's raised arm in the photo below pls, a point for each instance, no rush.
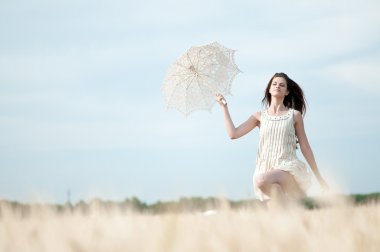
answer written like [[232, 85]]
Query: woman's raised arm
[[244, 128]]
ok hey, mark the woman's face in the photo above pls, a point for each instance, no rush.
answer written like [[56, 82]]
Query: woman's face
[[279, 88]]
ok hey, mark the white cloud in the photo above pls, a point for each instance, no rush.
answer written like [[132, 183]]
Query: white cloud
[[363, 74], [313, 41]]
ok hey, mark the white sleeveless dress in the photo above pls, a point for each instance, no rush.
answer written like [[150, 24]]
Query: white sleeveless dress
[[277, 150]]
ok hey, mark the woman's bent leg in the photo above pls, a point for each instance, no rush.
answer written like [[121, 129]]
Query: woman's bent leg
[[272, 180]]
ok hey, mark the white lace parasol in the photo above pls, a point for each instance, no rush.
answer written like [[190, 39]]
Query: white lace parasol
[[193, 80]]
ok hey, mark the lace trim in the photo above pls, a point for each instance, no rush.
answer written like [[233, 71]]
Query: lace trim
[[277, 118]]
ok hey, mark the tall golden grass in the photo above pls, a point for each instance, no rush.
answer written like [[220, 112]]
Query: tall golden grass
[[334, 227]]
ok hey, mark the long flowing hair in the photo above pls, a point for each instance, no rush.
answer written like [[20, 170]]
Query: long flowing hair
[[295, 99]]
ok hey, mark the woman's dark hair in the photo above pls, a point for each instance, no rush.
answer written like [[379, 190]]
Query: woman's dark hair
[[295, 99]]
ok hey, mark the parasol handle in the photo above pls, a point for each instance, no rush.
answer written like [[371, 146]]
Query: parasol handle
[[223, 101]]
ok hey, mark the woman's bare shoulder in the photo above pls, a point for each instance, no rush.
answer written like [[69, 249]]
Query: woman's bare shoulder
[[297, 115], [257, 115], [297, 112]]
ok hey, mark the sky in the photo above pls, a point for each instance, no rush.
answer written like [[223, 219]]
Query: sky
[[82, 109]]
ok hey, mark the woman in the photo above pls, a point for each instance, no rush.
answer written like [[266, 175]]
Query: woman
[[278, 174]]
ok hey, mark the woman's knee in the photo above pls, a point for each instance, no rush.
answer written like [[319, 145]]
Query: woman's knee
[[265, 180]]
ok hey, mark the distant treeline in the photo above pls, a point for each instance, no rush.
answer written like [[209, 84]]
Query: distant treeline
[[191, 204]]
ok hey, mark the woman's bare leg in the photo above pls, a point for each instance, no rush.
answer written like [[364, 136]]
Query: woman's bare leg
[[277, 183], [277, 197]]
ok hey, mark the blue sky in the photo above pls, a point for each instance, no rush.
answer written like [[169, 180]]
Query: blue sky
[[81, 106]]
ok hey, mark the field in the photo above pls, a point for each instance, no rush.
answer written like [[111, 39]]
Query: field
[[334, 227]]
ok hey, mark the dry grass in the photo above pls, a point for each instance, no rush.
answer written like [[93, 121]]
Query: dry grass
[[341, 227]]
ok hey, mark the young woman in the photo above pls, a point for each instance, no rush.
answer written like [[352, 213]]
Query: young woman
[[279, 174]]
